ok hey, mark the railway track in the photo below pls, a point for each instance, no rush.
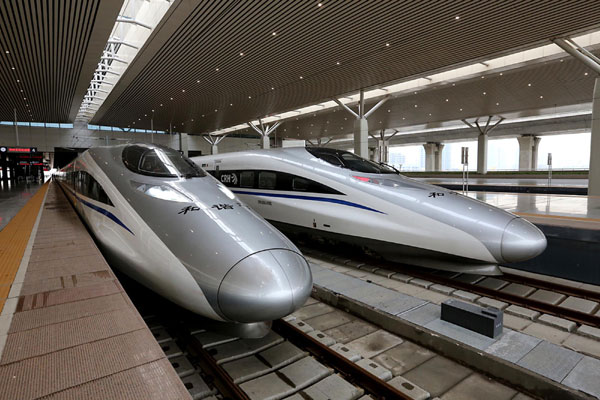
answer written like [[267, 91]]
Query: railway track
[[472, 285], [286, 362]]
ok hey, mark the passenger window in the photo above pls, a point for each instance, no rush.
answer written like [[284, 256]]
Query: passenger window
[[247, 179], [300, 184], [267, 180]]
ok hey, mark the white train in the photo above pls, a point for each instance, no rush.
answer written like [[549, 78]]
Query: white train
[[167, 224], [337, 195]]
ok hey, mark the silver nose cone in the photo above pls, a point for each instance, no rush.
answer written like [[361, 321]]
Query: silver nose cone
[[521, 241], [265, 286]]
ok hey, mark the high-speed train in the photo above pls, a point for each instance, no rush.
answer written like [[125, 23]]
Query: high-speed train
[[339, 196], [167, 224]]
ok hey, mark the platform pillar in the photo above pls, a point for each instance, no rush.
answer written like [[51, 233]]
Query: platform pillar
[[4, 165], [438, 157], [183, 143], [214, 149], [361, 137], [482, 153], [433, 156], [528, 149], [264, 131], [594, 175]]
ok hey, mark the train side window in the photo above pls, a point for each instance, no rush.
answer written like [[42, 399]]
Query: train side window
[[300, 184], [331, 159], [267, 180], [247, 179]]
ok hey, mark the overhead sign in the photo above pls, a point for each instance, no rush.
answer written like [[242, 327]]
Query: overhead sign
[[21, 150]]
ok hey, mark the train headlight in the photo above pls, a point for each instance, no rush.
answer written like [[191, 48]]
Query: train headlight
[[162, 192]]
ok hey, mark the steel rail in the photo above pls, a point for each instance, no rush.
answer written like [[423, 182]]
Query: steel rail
[[364, 379]]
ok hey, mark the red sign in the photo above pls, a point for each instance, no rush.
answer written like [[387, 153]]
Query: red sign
[[4, 149]]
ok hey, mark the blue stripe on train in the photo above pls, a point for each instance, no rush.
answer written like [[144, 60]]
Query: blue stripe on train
[[310, 198], [101, 211]]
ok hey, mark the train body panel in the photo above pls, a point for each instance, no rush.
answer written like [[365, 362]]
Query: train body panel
[[181, 237], [400, 218]]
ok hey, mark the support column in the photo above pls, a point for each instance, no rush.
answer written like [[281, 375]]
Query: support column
[[361, 126], [592, 62], [526, 145], [214, 142], [4, 165], [438, 157], [383, 146], [264, 131], [361, 138], [534, 157], [430, 149], [482, 140], [594, 175], [482, 153], [183, 143]]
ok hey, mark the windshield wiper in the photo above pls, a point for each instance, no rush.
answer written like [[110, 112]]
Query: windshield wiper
[[390, 166]]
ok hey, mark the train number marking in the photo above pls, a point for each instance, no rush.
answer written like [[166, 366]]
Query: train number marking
[[223, 206], [436, 194], [185, 210]]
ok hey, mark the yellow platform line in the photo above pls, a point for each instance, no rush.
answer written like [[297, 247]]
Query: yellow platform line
[[13, 241]]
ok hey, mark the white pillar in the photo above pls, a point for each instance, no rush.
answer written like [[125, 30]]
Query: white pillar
[[482, 152], [361, 138], [534, 157], [382, 153], [214, 149], [438, 157], [265, 142], [430, 156], [594, 175], [183, 143], [526, 144]]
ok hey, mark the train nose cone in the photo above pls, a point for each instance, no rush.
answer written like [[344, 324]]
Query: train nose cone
[[521, 241], [265, 286]]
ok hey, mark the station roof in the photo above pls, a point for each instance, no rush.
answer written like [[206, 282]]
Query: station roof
[[212, 65], [48, 53]]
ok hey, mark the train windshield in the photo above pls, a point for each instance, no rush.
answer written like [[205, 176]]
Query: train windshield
[[160, 161], [345, 159]]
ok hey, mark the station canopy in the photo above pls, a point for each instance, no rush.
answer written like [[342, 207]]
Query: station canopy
[[208, 66]]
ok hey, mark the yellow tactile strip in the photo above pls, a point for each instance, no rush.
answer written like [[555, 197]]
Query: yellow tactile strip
[[13, 241]]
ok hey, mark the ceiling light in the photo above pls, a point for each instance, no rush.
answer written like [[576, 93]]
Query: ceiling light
[[216, 110], [274, 33], [484, 93], [198, 81], [272, 88], [447, 100], [497, 104], [541, 97], [500, 73], [7, 52], [387, 45], [171, 98], [217, 69], [529, 84], [301, 77], [586, 74], [161, 104], [249, 97], [12, 68], [416, 106], [389, 110], [430, 114], [231, 104], [320, 5], [183, 90], [457, 17], [241, 54], [337, 63], [461, 109]]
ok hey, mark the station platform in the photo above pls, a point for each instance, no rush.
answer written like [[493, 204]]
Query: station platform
[[559, 185], [571, 225], [67, 328], [13, 197]]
